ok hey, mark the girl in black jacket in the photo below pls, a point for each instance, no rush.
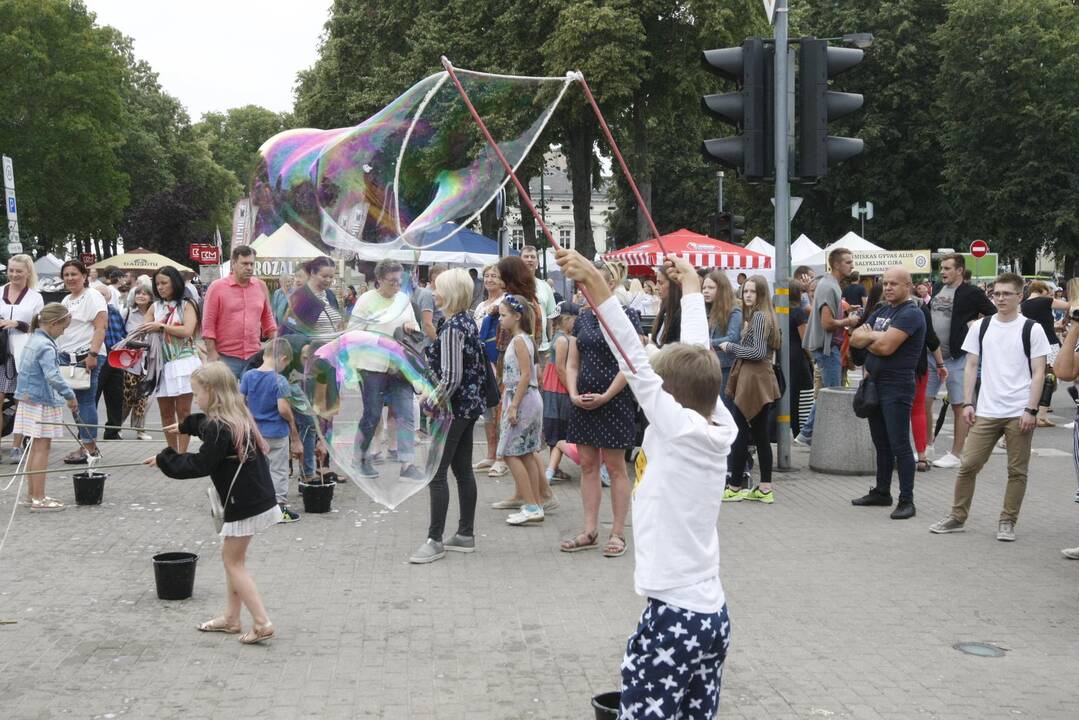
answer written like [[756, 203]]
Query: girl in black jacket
[[230, 441]]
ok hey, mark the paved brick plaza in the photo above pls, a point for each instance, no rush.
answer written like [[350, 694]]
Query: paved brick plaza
[[837, 612]]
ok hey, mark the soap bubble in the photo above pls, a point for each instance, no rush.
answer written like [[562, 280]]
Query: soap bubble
[[348, 382], [394, 180]]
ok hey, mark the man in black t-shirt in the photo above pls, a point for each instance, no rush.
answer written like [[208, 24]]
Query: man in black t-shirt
[[894, 335], [855, 293]]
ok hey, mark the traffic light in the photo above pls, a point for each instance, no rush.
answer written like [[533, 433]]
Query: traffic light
[[729, 227], [817, 105], [749, 109]]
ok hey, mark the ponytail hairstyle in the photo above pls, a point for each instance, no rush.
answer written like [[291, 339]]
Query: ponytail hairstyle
[[51, 313], [312, 266], [523, 309], [227, 406]]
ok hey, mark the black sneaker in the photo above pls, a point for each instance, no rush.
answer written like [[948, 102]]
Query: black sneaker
[[904, 510], [287, 516], [875, 498]]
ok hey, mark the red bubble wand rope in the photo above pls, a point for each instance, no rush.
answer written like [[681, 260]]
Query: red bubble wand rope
[[523, 195]]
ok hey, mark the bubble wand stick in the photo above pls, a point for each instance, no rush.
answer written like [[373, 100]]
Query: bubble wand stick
[[523, 195]]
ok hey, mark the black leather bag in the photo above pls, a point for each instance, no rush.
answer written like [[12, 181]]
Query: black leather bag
[[866, 399], [491, 394]]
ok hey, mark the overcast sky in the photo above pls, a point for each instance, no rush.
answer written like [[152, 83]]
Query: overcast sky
[[219, 54]]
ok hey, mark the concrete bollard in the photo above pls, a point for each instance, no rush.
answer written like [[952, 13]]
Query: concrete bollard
[[841, 441]]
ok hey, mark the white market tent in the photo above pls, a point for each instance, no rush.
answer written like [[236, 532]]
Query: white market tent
[[801, 249], [850, 241], [284, 243], [48, 266], [759, 244]]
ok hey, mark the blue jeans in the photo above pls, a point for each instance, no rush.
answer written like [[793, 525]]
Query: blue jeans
[[235, 364], [831, 375], [381, 389], [889, 427], [305, 427], [87, 400]]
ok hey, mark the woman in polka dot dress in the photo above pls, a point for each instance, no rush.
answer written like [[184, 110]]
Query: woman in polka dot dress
[[601, 423]]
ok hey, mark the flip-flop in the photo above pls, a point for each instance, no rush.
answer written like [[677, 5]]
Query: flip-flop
[[76, 458], [218, 625]]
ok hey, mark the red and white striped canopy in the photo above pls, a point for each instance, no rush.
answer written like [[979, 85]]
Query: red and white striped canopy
[[700, 250]]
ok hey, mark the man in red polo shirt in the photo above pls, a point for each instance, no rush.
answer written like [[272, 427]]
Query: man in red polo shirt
[[237, 314]]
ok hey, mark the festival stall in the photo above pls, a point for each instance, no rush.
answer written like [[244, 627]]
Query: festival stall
[[700, 250], [142, 261], [465, 248], [802, 249]]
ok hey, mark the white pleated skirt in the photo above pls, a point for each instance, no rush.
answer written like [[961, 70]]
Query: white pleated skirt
[[253, 524], [176, 376]]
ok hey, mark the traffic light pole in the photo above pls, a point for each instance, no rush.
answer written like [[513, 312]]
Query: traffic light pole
[[782, 230]]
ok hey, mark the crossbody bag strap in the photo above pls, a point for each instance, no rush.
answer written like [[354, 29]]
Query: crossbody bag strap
[[239, 467]]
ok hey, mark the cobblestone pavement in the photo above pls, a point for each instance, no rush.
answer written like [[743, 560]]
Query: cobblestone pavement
[[837, 612]]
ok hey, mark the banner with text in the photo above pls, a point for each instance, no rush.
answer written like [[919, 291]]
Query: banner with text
[[916, 262]]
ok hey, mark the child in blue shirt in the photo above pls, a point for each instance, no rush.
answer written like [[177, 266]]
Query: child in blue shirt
[[267, 393]]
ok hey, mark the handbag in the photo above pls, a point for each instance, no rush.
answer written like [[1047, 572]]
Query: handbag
[[217, 508], [491, 394], [866, 399], [76, 376]]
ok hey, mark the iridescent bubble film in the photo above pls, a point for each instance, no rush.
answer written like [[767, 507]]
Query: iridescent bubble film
[[418, 163], [373, 398]]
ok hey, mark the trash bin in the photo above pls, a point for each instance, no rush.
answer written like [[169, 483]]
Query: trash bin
[[174, 573]]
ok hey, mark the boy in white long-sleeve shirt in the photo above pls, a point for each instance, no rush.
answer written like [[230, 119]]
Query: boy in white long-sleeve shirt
[[674, 661]]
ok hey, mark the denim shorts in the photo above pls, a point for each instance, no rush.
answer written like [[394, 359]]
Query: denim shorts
[[955, 379]]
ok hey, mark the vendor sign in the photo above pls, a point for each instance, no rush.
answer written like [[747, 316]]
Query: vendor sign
[[916, 262]]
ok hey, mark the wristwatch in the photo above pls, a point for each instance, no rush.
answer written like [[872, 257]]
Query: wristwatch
[[1031, 411]]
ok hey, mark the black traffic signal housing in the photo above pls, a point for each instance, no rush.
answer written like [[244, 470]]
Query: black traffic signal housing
[[749, 109], [729, 227], [817, 105]]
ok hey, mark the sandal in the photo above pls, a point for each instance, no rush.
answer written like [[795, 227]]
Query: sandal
[[923, 466], [78, 457], [561, 474], [219, 624], [257, 634], [46, 504], [574, 544], [1045, 422], [615, 547]]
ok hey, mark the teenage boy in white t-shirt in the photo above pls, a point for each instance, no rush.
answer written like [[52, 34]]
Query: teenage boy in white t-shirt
[[674, 661], [1007, 403]]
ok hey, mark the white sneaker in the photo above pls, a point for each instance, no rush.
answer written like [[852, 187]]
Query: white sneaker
[[526, 516], [484, 464], [947, 460], [1071, 553], [144, 436], [1069, 425]]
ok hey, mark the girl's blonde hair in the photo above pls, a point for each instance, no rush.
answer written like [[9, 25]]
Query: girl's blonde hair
[[51, 313], [763, 304], [27, 263], [227, 406]]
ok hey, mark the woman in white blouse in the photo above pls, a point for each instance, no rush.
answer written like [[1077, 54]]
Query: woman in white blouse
[[83, 343], [19, 303]]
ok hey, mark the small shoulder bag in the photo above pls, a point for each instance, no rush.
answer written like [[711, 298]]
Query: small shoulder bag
[[217, 508]]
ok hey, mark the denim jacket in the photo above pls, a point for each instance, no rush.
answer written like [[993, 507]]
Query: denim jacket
[[39, 380], [733, 335]]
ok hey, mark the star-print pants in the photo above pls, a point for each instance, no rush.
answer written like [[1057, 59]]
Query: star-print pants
[[674, 664]]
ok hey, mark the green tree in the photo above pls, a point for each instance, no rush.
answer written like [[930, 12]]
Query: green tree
[[902, 167], [235, 135], [1010, 96], [63, 120]]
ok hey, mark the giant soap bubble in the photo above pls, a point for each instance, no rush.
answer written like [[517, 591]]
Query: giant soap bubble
[[349, 381], [393, 180]]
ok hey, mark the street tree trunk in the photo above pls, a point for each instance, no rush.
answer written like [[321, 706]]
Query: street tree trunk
[[580, 156], [640, 169], [528, 221]]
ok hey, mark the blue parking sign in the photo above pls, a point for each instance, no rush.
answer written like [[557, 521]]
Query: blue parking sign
[[11, 206]]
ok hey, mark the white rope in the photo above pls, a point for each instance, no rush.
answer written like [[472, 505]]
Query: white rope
[[23, 461]]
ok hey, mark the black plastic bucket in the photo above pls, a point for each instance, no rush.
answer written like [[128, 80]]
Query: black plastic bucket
[[174, 573], [606, 705], [89, 487], [317, 497]]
